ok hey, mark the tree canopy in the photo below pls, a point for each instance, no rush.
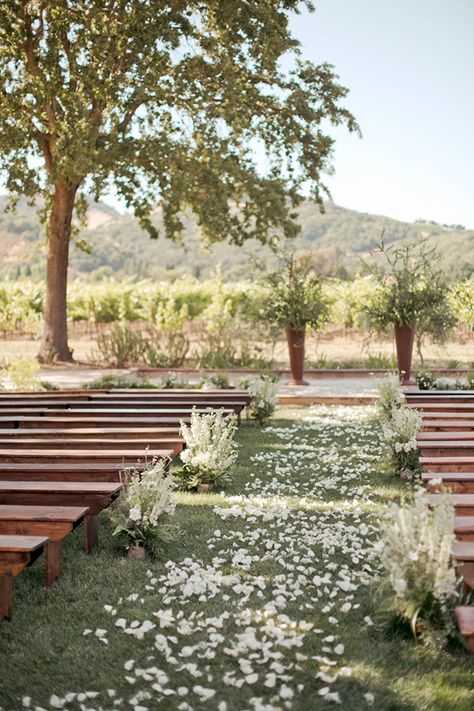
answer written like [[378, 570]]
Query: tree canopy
[[202, 105]]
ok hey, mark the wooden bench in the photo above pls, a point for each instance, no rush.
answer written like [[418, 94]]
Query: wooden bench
[[447, 464], [141, 445], [125, 457], [97, 412], [46, 471], [446, 448], [464, 397], [447, 425], [95, 496], [114, 403], [456, 482], [465, 620], [54, 522], [16, 552], [451, 436], [464, 528], [430, 407], [87, 433], [72, 421], [463, 554]]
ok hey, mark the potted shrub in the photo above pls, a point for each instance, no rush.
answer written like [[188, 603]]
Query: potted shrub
[[141, 514], [411, 294], [210, 450], [293, 300]]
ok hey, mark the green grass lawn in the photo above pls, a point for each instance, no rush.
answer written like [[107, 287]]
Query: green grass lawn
[[264, 600]]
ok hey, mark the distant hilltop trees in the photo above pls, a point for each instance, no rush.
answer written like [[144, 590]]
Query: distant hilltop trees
[[441, 224]]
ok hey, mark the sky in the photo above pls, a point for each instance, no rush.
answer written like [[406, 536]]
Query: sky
[[409, 65]]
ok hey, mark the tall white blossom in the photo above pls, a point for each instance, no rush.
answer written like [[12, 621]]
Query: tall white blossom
[[400, 434], [146, 498], [415, 554], [264, 392], [390, 396], [210, 448]]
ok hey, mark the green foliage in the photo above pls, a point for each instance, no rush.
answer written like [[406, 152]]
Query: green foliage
[[144, 506], [110, 381], [294, 297], [177, 121], [381, 360], [22, 374], [413, 292], [425, 380], [218, 380], [121, 345], [264, 393]]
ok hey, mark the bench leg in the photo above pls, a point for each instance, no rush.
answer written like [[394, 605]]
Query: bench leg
[[5, 597], [53, 562], [91, 532]]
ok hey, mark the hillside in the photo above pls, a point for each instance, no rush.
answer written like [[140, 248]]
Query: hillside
[[120, 248]]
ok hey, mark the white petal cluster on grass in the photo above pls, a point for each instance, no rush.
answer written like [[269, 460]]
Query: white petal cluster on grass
[[266, 615]]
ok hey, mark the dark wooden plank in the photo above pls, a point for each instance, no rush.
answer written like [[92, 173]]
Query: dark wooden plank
[[447, 464], [87, 433], [49, 422], [141, 445], [16, 552], [53, 522], [125, 457], [451, 436], [46, 471], [21, 544], [68, 514], [456, 482]]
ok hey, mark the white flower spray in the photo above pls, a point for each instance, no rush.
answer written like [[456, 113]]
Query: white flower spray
[[415, 554], [210, 448]]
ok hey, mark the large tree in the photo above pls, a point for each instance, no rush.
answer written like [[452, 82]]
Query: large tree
[[185, 103]]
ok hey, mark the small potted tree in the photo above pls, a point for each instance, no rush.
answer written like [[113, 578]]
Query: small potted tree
[[293, 300], [410, 294]]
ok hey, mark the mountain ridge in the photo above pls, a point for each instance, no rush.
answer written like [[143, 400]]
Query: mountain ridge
[[121, 249]]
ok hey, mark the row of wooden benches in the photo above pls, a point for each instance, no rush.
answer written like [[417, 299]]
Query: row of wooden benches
[[446, 445], [60, 461]]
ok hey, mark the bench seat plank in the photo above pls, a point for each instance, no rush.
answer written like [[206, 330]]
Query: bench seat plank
[[96, 496], [53, 522], [16, 552]]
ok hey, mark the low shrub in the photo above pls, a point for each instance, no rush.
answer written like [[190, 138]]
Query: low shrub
[[110, 382], [22, 374], [381, 360], [121, 346]]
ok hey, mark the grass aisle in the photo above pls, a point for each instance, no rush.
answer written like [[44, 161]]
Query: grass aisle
[[263, 602]]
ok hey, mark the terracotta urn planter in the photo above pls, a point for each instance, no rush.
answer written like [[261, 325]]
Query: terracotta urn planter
[[295, 341], [404, 340], [136, 552], [205, 487]]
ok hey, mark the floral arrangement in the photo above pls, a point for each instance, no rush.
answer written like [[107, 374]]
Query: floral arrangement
[[390, 396], [415, 554], [264, 398], [210, 449], [144, 506], [400, 433]]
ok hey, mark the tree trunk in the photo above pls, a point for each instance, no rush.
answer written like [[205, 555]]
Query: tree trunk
[[54, 344]]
